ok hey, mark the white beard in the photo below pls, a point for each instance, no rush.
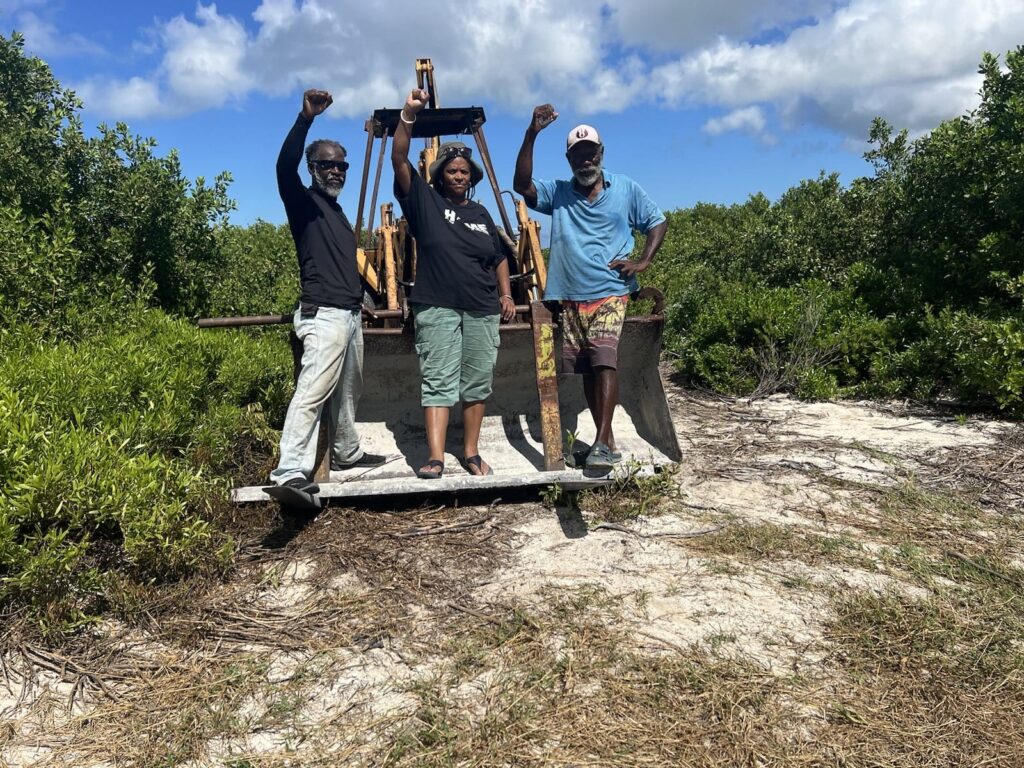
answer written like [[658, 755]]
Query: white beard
[[331, 189], [587, 177]]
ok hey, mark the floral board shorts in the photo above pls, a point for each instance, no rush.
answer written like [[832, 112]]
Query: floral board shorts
[[590, 333]]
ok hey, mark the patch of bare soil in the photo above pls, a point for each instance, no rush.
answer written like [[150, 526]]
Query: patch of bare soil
[[815, 584]]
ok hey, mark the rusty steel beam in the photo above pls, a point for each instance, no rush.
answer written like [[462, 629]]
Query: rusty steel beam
[[547, 385], [236, 322], [485, 156], [366, 175], [376, 182]]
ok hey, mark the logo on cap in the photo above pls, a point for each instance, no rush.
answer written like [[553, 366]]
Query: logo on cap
[[582, 133]]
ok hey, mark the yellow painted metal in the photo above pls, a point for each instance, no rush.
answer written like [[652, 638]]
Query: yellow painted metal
[[389, 266], [425, 81], [364, 262], [530, 254]]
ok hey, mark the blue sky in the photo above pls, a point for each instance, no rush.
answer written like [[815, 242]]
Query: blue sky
[[698, 101]]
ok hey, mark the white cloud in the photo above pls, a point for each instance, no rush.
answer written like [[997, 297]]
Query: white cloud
[[204, 63], [123, 100], [675, 25], [913, 62], [42, 37], [827, 62], [746, 119]]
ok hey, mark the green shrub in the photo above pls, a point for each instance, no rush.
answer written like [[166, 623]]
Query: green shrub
[[114, 448], [740, 338], [260, 274]]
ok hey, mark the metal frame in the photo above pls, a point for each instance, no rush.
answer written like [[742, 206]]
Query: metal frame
[[387, 263]]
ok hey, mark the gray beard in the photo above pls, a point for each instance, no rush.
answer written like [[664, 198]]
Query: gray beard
[[328, 188], [587, 177]]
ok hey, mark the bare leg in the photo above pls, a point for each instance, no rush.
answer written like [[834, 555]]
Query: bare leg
[[436, 419], [602, 393], [472, 418]]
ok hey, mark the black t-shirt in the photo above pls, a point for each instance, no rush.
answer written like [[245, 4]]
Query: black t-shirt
[[324, 241], [457, 250]]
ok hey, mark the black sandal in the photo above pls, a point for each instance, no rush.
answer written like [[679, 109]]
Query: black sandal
[[476, 461], [435, 471]]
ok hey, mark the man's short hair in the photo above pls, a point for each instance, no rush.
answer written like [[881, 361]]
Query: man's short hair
[[313, 148]]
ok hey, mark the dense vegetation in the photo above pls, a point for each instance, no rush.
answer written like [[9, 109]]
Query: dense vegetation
[[120, 422], [906, 283]]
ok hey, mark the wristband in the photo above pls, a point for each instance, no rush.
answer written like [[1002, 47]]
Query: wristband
[[505, 296], [401, 116]]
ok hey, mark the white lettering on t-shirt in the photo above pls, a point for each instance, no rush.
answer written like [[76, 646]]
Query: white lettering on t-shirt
[[449, 215], [482, 228]]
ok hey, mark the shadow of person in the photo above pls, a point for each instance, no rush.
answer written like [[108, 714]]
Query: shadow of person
[[570, 519], [291, 521]]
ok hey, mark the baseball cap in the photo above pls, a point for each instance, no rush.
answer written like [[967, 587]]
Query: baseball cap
[[582, 133]]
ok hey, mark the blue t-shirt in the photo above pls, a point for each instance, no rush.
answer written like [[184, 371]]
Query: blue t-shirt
[[586, 237]]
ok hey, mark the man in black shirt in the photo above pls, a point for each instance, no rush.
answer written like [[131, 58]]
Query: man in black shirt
[[328, 319]]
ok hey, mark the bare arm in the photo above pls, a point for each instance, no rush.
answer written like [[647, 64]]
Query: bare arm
[[508, 306], [522, 182], [403, 137], [655, 237]]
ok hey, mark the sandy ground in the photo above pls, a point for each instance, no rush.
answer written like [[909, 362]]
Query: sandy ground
[[770, 463]]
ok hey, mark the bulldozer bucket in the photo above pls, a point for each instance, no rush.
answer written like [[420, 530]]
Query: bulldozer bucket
[[390, 420]]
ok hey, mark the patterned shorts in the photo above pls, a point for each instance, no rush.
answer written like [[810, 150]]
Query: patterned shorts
[[590, 333]]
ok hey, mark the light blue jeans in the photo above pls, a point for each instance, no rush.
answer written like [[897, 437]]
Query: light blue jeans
[[332, 370]]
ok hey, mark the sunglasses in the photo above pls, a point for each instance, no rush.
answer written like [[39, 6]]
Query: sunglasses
[[326, 165], [465, 152]]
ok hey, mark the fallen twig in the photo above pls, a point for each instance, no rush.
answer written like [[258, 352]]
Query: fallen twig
[[665, 534], [473, 612], [983, 568], [453, 528]]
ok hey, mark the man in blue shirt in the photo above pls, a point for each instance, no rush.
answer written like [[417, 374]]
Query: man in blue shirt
[[593, 217]]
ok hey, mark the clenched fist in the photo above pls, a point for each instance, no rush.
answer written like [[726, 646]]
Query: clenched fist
[[315, 102], [417, 100], [543, 116]]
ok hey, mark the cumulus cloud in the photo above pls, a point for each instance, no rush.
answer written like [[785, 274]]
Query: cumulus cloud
[[750, 120], [672, 25], [912, 61], [124, 100], [829, 62], [41, 35]]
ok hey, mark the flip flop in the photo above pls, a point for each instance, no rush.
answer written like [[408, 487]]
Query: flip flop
[[476, 461], [435, 471]]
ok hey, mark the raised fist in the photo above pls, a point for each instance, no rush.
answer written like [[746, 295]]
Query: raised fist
[[543, 116], [314, 102], [417, 100]]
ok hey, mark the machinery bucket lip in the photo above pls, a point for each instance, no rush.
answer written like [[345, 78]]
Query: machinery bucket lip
[[458, 480], [390, 422]]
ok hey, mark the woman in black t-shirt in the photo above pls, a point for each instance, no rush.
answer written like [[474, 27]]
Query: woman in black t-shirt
[[455, 300]]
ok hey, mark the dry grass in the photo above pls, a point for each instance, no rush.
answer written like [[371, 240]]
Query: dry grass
[[564, 687], [400, 665], [936, 682]]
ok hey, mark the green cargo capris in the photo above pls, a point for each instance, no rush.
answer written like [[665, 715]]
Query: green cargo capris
[[457, 351]]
